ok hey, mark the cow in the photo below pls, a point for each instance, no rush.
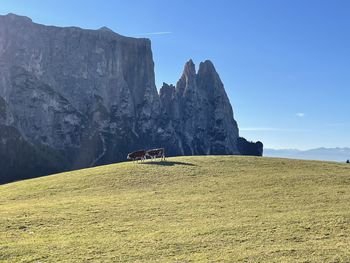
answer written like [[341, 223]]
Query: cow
[[156, 153], [138, 155]]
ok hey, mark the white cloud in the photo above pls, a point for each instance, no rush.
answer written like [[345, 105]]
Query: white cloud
[[300, 114]]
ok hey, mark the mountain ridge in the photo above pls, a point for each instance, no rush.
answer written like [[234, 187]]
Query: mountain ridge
[[88, 97], [338, 154]]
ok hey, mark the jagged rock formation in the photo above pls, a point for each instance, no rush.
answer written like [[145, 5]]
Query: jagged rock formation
[[200, 112], [72, 98]]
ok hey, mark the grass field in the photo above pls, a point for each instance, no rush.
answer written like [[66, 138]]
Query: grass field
[[188, 209]]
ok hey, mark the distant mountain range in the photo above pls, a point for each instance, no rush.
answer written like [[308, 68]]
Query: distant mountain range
[[322, 154]]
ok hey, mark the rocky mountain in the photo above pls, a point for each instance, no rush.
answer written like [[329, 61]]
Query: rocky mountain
[[73, 98], [200, 113]]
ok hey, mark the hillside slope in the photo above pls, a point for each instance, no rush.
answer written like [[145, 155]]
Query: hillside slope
[[188, 209]]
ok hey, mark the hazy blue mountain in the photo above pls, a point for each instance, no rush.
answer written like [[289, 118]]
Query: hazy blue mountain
[[322, 154]]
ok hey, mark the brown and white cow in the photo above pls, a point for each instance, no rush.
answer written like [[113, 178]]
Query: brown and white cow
[[156, 153], [138, 155]]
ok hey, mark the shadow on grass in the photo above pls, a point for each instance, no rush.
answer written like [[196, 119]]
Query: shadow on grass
[[167, 163]]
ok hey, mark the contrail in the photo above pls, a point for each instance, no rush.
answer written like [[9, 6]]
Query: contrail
[[155, 33]]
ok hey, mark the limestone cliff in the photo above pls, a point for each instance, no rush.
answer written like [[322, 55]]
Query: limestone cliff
[[72, 98], [200, 112]]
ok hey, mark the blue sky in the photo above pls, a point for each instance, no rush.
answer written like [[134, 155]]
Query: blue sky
[[285, 64]]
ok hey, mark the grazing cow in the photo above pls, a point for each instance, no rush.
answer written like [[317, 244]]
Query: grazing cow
[[156, 153], [138, 155]]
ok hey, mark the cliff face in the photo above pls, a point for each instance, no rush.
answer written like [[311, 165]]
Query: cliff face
[[74, 98], [200, 112], [82, 92]]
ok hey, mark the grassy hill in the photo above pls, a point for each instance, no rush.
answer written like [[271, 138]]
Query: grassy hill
[[188, 209]]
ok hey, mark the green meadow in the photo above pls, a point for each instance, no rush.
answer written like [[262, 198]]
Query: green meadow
[[186, 209]]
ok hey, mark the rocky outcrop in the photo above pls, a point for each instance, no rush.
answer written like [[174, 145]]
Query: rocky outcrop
[[200, 112], [250, 148], [72, 98]]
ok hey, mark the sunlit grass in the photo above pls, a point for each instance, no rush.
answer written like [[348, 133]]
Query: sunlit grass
[[188, 209]]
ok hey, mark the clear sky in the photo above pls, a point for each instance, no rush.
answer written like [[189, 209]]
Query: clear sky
[[285, 64]]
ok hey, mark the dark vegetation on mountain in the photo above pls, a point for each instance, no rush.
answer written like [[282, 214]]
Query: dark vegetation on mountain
[[249, 148]]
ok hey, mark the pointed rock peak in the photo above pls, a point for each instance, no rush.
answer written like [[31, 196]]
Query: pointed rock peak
[[167, 86], [190, 62], [166, 90], [207, 77], [188, 78], [208, 63], [206, 67], [189, 69]]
